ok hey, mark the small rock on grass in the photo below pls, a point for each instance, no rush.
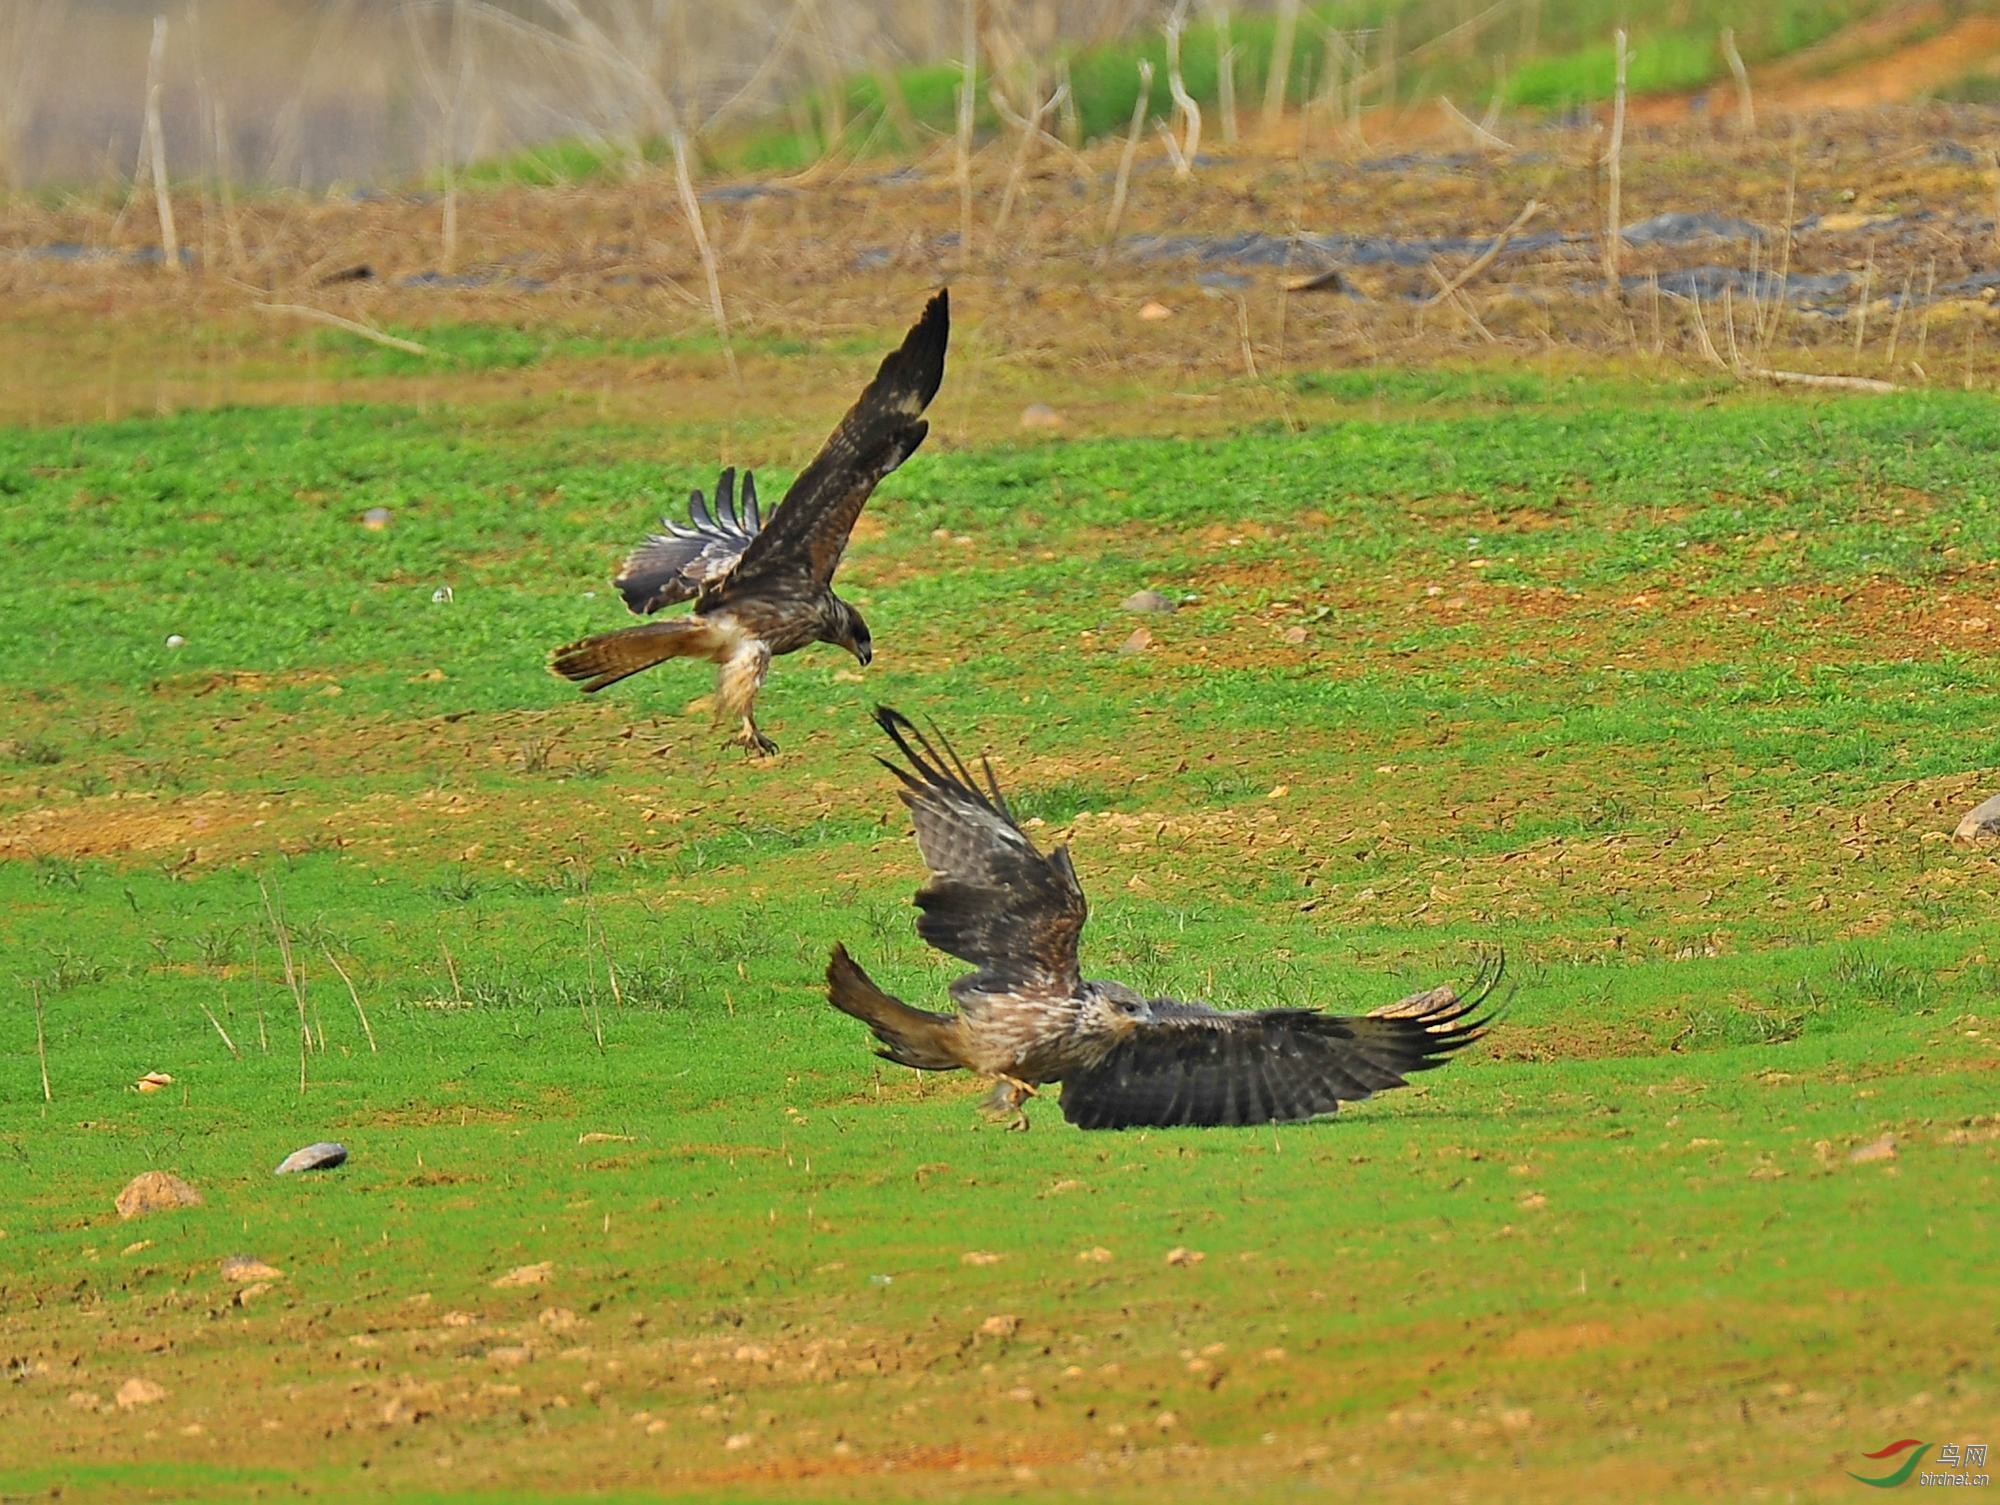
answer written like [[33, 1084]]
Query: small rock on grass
[[1148, 600], [1155, 311], [525, 1275], [323, 1156], [1981, 823], [244, 1269], [1139, 642], [155, 1191], [1876, 1149], [1039, 415], [139, 1392]]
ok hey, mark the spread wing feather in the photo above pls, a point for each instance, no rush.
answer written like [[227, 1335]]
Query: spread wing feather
[[675, 565], [992, 899], [1194, 1065], [808, 531]]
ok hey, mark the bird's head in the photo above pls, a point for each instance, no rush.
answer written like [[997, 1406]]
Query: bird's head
[[1119, 1010], [851, 633]]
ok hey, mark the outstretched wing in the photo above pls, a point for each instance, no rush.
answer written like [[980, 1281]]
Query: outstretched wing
[[675, 565], [992, 899], [809, 530], [1197, 1066]]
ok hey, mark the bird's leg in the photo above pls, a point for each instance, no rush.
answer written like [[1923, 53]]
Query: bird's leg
[[753, 741], [1006, 1101]]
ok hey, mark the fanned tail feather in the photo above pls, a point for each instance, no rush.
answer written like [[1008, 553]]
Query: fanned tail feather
[[912, 1037], [608, 657]]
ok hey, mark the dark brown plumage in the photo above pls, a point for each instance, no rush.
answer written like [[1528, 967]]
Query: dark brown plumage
[[761, 589], [1027, 1016]]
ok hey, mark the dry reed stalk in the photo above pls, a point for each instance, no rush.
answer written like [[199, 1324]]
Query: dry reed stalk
[[1123, 180], [1896, 324], [225, 187], [222, 1032], [1184, 101], [1486, 257], [1816, 379], [1243, 336], [292, 979], [1861, 307], [1924, 324], [1994, 158], [41, 1042], [1613, 151], [1225, 75], [1481, 135], [1042, 134], [170, 245], [969, 46], [451, 970], [691, 206], [1281, 62], [362, 1013], [1769, 329], [352, 326], [1746, 112], [1459, 301]]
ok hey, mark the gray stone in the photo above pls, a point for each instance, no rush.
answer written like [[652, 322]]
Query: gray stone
[[1982, 822], [323, 1156], [1148, 600]]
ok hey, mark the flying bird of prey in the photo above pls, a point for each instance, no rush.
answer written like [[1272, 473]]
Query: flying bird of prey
[[760, 590], [1027, 1016]]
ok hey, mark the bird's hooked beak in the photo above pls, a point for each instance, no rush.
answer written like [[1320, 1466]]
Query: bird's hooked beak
[[864, 651]]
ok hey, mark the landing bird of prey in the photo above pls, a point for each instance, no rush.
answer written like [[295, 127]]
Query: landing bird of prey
[[761, 590], [1027, 1016]]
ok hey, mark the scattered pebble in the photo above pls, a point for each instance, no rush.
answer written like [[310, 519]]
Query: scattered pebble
[[1094, 1257], [1875, 1150], [979, 1257], [139, 1392], [526, 1275], [152, 1081], [736, 1442], [155, 1191], [375, 519], [323, 1156], [559, 1319], [1179, 1256], [1039, 415], [1139, 642], [1295, 634], [1981, 823], [175, 640], [245, 1268], [86, 1400], [1148, 600], [1001, 1325], [1153, 312], [441, 596]]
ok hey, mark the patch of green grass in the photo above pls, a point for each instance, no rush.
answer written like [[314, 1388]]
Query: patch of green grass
[[1600, 676]]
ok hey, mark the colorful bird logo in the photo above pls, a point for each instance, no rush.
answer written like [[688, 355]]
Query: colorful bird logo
[[1901, 1475]]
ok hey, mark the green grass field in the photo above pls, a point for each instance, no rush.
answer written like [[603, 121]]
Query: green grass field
[[1675, 697]]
